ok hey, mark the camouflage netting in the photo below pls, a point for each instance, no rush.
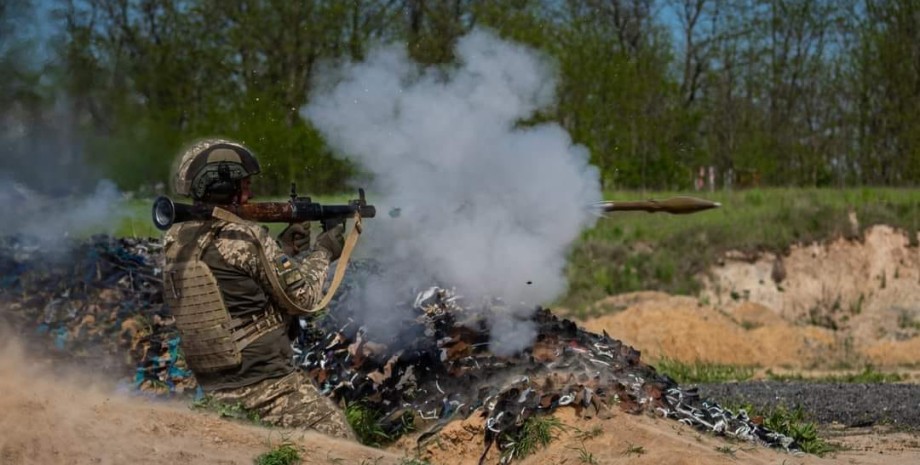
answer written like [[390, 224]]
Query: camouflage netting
[[101, 305]]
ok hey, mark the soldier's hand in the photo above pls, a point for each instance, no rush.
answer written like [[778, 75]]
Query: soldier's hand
[[332, 241], [295, 238]]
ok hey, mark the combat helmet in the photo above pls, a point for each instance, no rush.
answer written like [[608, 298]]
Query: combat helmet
[[210, 170]]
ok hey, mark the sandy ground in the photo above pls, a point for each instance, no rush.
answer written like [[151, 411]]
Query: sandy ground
[[66, 419], [650, 440]]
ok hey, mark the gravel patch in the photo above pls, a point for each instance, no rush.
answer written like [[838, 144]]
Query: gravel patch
[[847, 404]]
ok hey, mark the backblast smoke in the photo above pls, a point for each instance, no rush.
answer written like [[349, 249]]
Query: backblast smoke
[[479, 199]]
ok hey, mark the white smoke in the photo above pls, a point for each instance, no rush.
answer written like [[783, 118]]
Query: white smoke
[[53, 220], [484, 203]]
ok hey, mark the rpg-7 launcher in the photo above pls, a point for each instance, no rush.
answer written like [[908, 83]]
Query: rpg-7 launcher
[[674, 205], [296, 210]]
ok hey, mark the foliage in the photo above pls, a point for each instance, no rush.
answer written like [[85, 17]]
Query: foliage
[[283, 454], [365, 421], [869, 374], [703, 372], [536, 432], [792, 423], [225, 410], [768, 92], [633, 449], [584, 456]]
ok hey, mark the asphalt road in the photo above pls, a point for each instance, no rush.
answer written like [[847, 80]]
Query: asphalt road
[[847, 404]]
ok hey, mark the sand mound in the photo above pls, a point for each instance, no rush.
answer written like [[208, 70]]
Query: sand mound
[[866, 292], [683, 329], [55, 419], [846, 303]]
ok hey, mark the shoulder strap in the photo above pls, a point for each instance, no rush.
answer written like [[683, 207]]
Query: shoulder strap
[[350, 241]]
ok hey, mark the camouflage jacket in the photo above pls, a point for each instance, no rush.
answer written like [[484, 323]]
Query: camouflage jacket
[[232, 256]]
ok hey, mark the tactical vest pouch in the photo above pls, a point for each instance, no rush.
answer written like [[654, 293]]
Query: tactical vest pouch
[[212, 341], [190, 290]]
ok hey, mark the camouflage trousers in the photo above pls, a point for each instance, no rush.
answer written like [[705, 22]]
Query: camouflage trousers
[[291, 401]]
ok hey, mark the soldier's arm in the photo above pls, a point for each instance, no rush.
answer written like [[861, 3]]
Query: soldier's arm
[[302, 277]]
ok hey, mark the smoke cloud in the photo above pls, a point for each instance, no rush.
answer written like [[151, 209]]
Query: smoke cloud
[[51, 220], [477, 200], [47, 190]]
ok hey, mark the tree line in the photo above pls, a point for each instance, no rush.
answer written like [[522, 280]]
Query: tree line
[[767, 92]]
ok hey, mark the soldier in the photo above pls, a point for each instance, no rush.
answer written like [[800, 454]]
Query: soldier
[[234, 292]]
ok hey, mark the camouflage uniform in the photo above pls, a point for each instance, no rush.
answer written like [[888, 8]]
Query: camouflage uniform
[[264, 382]]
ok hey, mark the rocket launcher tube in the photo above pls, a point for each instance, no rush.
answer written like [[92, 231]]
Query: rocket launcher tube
[[166, 212]]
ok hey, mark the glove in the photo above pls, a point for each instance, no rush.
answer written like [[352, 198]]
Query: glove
[[331, 223], [295, 238], [332, 241]]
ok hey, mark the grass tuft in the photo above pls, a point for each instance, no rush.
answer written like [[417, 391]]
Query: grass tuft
[[792, 423], [703, 372], [225, 410], [283, 454], [633, 449], [536, 432], [869, 375], [365, 421]]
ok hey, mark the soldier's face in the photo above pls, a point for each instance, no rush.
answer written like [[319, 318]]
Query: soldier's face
[[245, 190]]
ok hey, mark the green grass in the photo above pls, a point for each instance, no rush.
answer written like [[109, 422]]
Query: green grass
[[536, 433], [633, 449], [283, 454], [365, 421], [869, 375], [703, 372], [225, 410], [790, 422], [632, 251]]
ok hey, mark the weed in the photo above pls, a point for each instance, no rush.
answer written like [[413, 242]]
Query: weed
[[703, 372], [633, 449], [282, 454], [583, 455], [225, 410], [907, 321], [792, 423], [536, 432], [727, 450], [869, 375], [594, 432], [365, 421], [414, 461]]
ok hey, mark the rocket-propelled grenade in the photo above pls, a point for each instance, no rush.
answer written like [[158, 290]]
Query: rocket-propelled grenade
[[298, 209], [681, 205]]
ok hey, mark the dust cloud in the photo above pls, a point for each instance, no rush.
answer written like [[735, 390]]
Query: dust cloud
[[469, 195]]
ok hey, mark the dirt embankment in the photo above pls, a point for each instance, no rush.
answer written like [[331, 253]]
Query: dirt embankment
[[842, 304], [50, 419]]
